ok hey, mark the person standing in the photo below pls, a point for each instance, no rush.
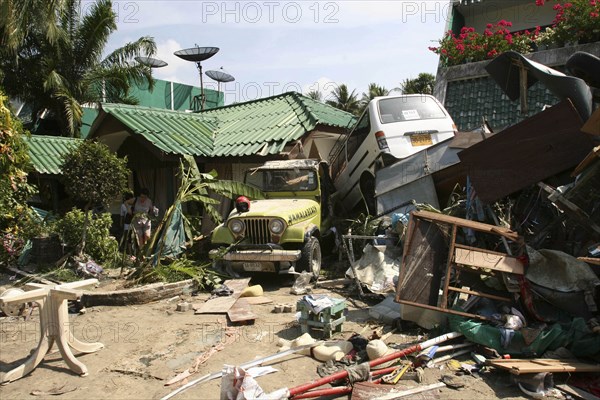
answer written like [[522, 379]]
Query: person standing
[[126, 217], [142, 207]]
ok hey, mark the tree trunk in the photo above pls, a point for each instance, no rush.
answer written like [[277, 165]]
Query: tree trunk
[[86, 223]]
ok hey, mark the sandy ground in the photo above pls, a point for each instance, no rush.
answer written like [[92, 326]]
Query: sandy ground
[[147, 345]]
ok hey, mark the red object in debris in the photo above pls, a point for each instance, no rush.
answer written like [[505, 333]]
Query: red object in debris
[[506, 356], [242, 204], [295, 392]]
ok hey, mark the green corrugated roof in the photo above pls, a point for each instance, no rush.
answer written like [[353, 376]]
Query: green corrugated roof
[[174, 132], [261, 126], [46, 152], [267, 125]]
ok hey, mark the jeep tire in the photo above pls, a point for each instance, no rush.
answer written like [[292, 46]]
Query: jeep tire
[[310, 258]]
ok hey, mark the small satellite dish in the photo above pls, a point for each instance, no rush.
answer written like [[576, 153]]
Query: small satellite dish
[[151, 62], [220, 75]]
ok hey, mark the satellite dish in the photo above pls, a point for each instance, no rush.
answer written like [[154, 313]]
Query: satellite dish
[[198, 54], [151, 62], [220, 75]]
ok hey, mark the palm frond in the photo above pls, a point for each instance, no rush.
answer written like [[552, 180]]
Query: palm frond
[[94, 31], [144, 46]]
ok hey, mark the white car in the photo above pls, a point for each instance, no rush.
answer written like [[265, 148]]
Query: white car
[[390, 129]]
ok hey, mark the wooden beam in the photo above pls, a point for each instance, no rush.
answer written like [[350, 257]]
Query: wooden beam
[[480, 294], [486, 259], [465, 223], [520, 366]]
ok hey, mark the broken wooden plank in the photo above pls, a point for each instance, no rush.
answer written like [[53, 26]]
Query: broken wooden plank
[[590, 260], [521, 366], [587, 161], [334, 283], [258, 300], [465, 223], [487, 259], [575, 391], [544, 145], [592, 125], [464, 140], [220, 305], [241, 312]]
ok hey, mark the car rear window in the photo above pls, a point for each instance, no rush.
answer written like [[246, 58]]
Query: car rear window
[[411, 108]]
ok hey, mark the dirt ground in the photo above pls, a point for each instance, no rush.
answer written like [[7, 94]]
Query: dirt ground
[[147, 345]]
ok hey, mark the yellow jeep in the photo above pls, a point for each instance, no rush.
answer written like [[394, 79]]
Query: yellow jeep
[[281, 232]]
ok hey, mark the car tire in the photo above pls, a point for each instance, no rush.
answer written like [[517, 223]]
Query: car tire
[[310, 258]]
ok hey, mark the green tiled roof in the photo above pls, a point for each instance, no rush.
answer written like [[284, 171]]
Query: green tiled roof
[[174, 132], [46, 152], [470, 99], [261, 126]]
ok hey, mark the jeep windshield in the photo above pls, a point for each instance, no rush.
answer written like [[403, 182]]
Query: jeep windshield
[[409, 108], [283, 180]]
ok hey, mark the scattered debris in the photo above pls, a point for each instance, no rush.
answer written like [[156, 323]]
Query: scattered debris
[[222, 304], [521, 366], [54, 391]]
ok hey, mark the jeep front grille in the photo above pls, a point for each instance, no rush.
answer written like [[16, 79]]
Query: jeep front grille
[[257, 230]]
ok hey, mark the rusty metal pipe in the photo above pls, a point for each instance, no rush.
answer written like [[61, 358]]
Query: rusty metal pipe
[[344, 374]]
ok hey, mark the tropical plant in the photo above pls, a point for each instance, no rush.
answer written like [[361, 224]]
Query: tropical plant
[[374, 90], [344, 99], [59, 71], [195, 187], [100, 246], [575, 20], [14, 166], [21, 17], [471, 46], [315, 95], [93, 175], [422, 84]]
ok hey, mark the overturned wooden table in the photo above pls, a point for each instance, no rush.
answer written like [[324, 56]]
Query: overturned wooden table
[[54, 326]]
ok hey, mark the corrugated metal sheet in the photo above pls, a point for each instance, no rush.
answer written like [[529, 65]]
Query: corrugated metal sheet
[[173, 132], [267, 125], [46, 152], [261, 126]]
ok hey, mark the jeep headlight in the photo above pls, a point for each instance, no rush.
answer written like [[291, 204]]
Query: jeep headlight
[[236, 226], [276, 226]]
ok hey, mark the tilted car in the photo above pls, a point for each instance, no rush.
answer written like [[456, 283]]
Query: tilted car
[[281, 232]]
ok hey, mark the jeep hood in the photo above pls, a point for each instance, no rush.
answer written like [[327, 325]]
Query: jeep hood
[[291, 210]]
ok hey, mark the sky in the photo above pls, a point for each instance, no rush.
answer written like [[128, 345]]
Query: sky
[[271, 47]]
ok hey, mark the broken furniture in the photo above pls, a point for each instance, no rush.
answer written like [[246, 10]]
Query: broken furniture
[[327, 320], [433, 259], [54, 326]]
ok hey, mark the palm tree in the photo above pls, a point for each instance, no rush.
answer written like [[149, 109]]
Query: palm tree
[[62, 74], [315, 95], [344, 99], [422, 84], [373, 91], [23, 17]]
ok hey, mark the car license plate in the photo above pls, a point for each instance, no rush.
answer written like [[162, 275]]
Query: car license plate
[[421, 139], [253, 266]]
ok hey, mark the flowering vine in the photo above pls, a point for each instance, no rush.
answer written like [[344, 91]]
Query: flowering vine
[[575, 20], [470, 45]]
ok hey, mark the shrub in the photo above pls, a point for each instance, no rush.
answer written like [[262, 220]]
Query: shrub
[[575, 20], [470, 46], [102, 247]]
